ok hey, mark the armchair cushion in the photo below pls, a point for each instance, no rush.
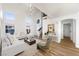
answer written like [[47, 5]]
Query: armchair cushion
[[42, 43]]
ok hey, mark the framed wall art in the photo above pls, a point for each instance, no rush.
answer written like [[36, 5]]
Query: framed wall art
[[51, 28]]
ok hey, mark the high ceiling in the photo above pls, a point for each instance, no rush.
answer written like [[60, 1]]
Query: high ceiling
[[54, 10]]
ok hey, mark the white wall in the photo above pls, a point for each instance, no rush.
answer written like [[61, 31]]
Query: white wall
[[1, 32], [22, 17], [1, 21]]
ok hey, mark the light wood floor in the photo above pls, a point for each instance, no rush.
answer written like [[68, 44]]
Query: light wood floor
[[65, 48]]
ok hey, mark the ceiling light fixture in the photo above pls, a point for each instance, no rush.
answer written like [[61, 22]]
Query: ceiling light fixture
[[30, 9]]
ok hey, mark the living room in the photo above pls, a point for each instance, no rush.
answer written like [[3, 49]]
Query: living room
[[21, 23], [25, 29]]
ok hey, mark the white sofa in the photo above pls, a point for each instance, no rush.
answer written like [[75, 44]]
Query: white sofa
[[11, 50]]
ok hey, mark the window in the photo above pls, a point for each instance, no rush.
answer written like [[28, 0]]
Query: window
[[9, 16]]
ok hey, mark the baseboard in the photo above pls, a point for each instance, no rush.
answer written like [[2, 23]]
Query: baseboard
[[58, 41], [77, 45]]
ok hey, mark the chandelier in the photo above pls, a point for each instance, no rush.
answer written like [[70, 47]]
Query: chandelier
[[30, 9]]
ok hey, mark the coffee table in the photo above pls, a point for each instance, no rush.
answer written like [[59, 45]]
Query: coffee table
[[30, 42]]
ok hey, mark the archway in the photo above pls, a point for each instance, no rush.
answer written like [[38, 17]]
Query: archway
[[68, 27]]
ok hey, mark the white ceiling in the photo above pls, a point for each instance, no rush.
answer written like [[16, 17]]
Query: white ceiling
[[20, 8], [53, 10], [57, 9]]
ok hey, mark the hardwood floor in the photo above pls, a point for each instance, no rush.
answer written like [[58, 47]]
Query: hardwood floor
[[67, 42], [65, 48]]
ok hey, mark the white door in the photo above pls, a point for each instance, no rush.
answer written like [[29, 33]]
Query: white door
[[67, 30]]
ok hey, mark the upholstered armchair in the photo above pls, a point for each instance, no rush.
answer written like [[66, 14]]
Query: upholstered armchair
[[44, 45]]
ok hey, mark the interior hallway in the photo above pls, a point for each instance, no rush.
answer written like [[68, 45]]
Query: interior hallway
[[65, 48]]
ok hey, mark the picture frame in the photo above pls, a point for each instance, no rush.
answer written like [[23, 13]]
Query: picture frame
[[51, 28], [9, 29]]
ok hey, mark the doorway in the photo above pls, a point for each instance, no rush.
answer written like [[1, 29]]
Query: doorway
[[69, 32]]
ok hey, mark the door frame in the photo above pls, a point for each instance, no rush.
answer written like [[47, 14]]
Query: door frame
[[73, 25]]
